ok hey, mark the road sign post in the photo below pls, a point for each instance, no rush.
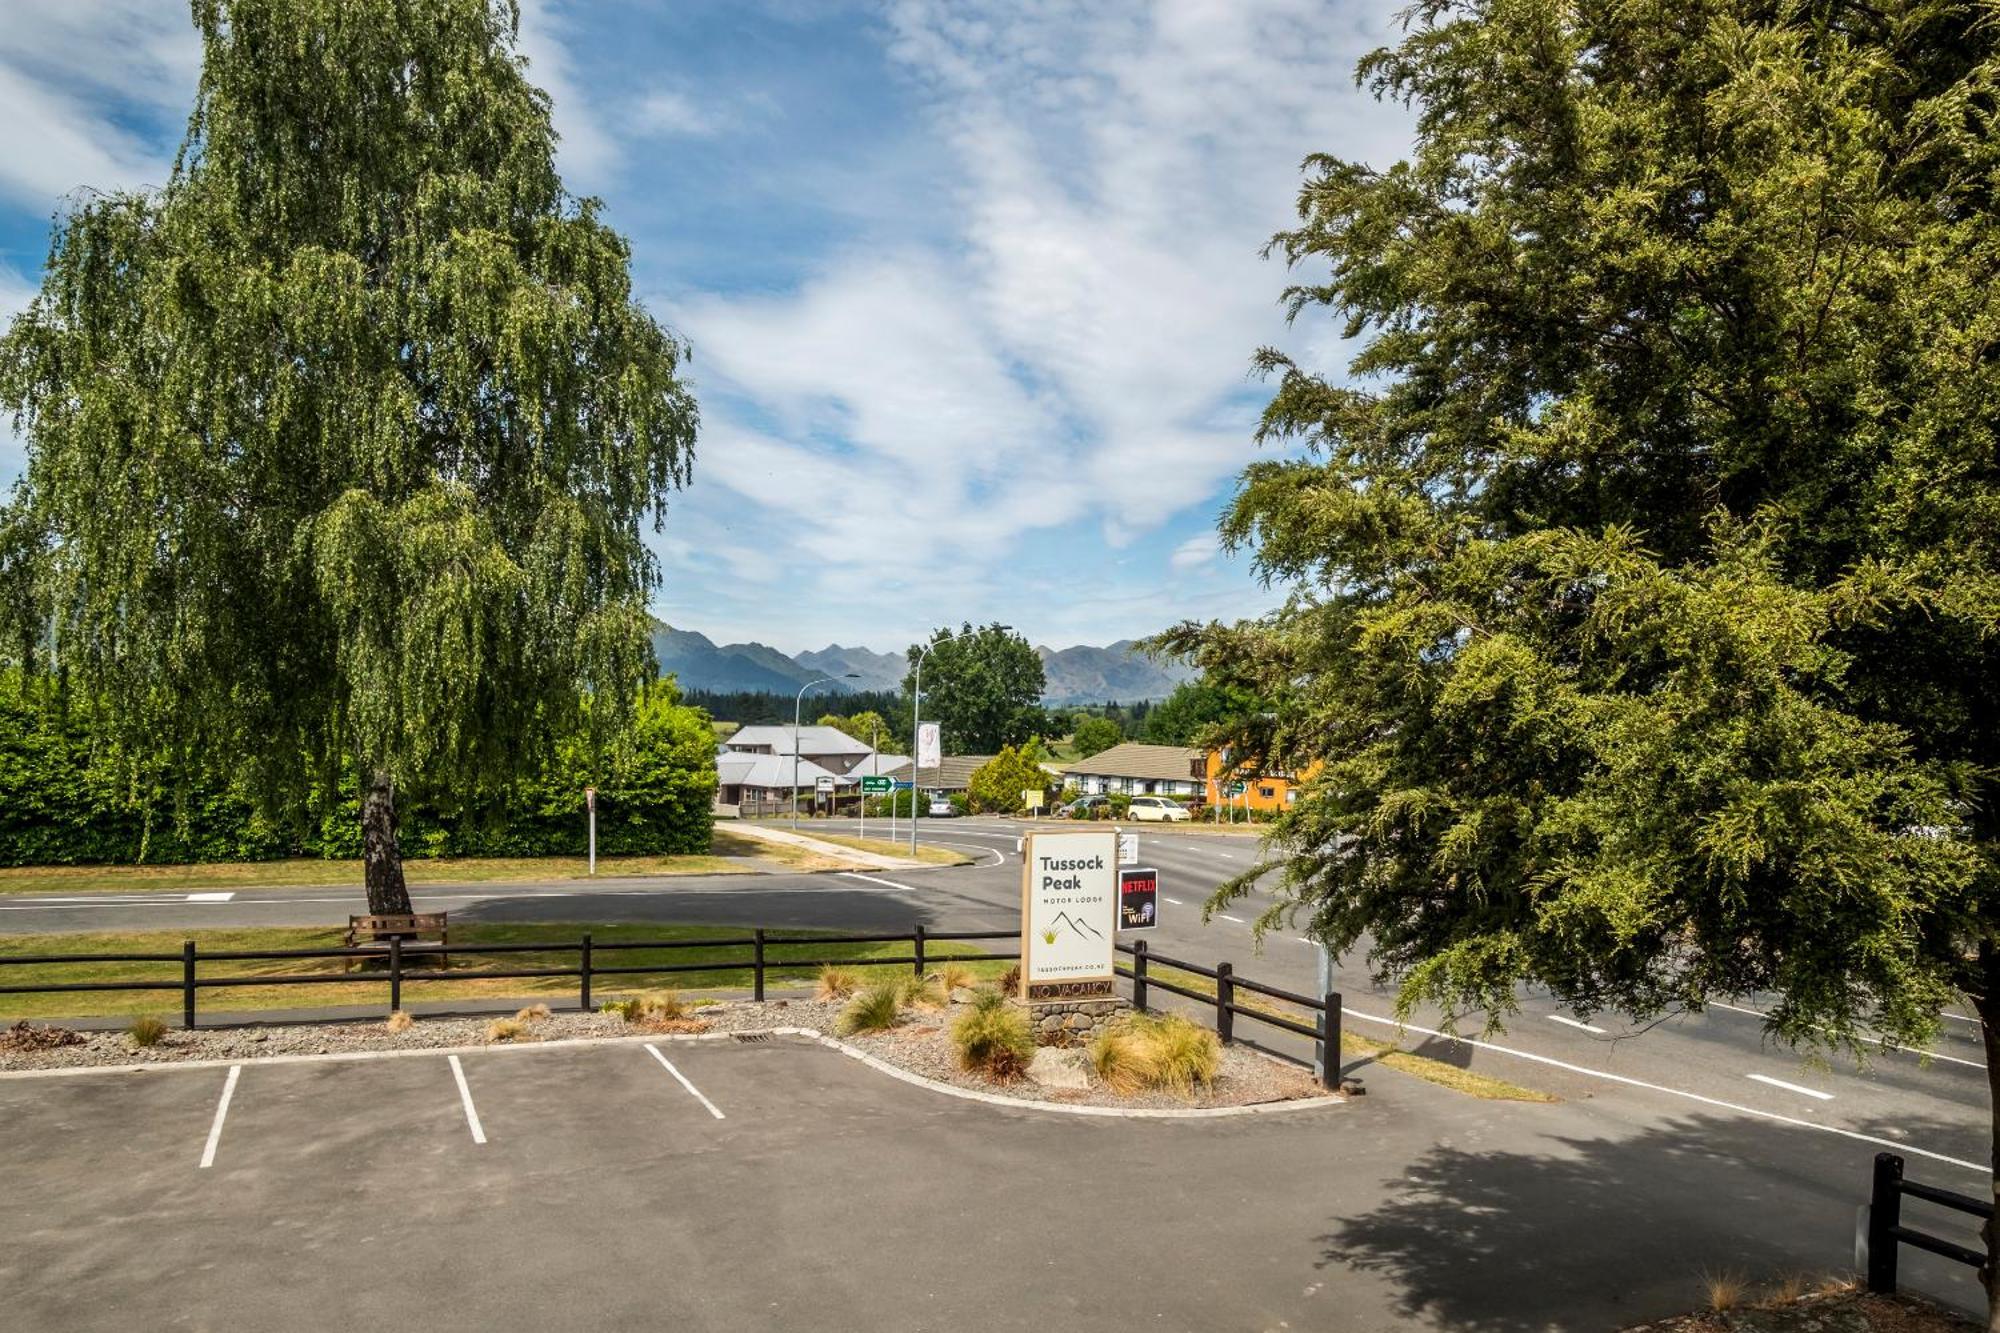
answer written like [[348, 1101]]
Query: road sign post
[[590, 805], [872, 785]]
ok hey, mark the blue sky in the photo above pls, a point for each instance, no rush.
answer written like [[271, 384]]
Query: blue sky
[[971, 287]]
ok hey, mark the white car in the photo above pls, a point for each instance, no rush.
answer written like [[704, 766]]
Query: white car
[[1158, 809]]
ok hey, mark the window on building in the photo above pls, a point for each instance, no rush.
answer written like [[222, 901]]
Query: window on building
[[1268, 793]]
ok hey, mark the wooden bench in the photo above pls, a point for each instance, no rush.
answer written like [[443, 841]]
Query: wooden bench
[[406, 926]]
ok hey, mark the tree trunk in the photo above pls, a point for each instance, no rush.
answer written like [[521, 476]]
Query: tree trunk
[[381, 859], [1987, 1006]]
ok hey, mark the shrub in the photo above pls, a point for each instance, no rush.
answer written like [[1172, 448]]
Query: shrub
[[836, 983], [653, 1009], [921, 993], [1010, 981], [146, 1030], [534, 1013], [993, 1037], [954, 976], [1155, 1051], [873, 1010], [506, 1029], [399, 1022]]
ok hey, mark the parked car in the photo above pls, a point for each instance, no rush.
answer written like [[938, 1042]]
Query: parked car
[[940, 806], [1158, 809], [1083, 807]]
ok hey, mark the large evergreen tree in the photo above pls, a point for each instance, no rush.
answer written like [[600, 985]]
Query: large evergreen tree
[[982, 686], [340, 445], [1646, 569]]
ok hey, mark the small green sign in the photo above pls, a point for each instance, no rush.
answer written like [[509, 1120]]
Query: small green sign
[[1235, 789], [874, 786]]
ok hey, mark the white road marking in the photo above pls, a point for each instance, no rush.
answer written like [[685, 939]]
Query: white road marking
[[1894, 1046], [1176, 902], [221, 1113], [1227, 856], [890, 883], [1226, 917], [1791, 1087], [1567, 1021], [1854, 1134], [465, 1098], [210, 897], [1310, 944], [712, 1108]]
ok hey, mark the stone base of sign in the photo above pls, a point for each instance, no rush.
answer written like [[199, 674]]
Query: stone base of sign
[[1071, 1022]]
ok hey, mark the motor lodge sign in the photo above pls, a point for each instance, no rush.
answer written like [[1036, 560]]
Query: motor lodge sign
[[1069, 913]]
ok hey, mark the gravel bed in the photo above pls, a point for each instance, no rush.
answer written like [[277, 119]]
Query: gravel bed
[[920, 1043]]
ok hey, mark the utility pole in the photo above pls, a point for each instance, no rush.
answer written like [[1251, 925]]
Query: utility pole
[[916, 720], [797, 704]]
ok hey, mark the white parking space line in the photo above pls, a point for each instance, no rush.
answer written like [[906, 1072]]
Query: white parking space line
[[221, 1114], [1894, 1046], [465, 1099], [692, 1089], [1791, 1087], [888, 883], [1567, 1021], [210, 897]]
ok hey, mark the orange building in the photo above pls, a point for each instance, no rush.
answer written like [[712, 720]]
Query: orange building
[[1269, 792]]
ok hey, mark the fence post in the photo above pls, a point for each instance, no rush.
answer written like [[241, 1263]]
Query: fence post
[[187, 984], [395, 973], [918, 936], [583, 975], [1885, 1214], [757, 965], [1139, 975], [1329, 1040], [1225, 995]]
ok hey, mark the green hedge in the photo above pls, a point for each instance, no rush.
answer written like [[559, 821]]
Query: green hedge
[[64, 801]]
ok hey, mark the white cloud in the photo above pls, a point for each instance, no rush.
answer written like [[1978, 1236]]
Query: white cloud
[[1195, 552], [587, 155], [1074, 351]]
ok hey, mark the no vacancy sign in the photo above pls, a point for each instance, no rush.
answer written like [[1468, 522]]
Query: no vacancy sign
[[1069, 913]]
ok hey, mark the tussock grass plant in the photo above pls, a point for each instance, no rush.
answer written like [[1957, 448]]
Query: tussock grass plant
[[954, 976], [399, 1022], [1725, 1291], [506, 1029], [1155, 1051], [922, 993], [657, 1011], [873, 1010], [993, 1038], [534, 1013], [836, 983], [1010, 981], [146, 1030]]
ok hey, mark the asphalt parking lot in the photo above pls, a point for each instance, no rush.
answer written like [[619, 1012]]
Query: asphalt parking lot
[[785, 1186]]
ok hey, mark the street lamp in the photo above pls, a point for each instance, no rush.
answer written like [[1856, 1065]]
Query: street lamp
[[916, 714], [797, 704]]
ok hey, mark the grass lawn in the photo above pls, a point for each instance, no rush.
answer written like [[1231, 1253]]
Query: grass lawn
[[729, 853], [373, 987], [937, 856]]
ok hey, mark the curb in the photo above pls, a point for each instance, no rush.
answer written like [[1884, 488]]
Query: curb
[[811, 1035]]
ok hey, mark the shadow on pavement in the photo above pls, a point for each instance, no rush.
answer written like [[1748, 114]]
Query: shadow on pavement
[[1602, 1233], [828, 908]]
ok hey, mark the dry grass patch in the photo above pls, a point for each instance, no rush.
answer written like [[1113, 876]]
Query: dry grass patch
[[836, 983], [1156, 1051], [922, 993], [506, 1030], [1725, 1291], [534, 1013], [399, 1022], [658, 1011], [954, 976], [146, 1030]]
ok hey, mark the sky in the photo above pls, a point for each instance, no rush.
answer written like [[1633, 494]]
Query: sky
[[971, 288]]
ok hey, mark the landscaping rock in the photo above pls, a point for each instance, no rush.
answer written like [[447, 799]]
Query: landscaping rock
[[1055, 1068], [963, 995]]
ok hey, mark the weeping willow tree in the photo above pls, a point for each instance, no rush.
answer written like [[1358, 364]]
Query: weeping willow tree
[[340, 444]]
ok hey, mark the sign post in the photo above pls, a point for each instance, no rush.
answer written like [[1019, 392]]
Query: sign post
[[590, 805], [1032, 798], [1069, 913], [875, 786], [930, 754]]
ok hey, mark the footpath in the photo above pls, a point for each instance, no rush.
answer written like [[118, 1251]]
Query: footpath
[[785, 837]]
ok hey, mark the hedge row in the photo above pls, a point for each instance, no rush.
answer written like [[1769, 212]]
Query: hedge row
[[63, 802]]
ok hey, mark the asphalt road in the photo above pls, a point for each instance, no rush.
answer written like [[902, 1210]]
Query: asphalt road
[[785, 1186], [1714, 1066]]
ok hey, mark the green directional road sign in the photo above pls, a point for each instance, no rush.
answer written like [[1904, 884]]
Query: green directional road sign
[[1235, 789], [874, 786]]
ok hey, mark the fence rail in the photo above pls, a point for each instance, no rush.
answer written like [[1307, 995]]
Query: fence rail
[[1880, 1233], [403, 964]]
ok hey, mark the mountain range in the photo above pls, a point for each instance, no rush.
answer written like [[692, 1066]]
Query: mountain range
[[1077, 675]]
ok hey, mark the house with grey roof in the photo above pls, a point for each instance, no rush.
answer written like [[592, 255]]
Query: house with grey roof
[[755, 763], [1139, 770]]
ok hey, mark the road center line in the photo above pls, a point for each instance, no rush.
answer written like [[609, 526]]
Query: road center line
[[210, 897], [1176, 902], [696, 1092], [1791, 1087], [1894, 1046], [221, 1114], [1226, 917], [1567, 1021], [1629, 1082], [890, 883], [465, 1099]]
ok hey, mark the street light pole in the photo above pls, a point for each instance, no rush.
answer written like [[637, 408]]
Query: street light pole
[[798, 704]]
